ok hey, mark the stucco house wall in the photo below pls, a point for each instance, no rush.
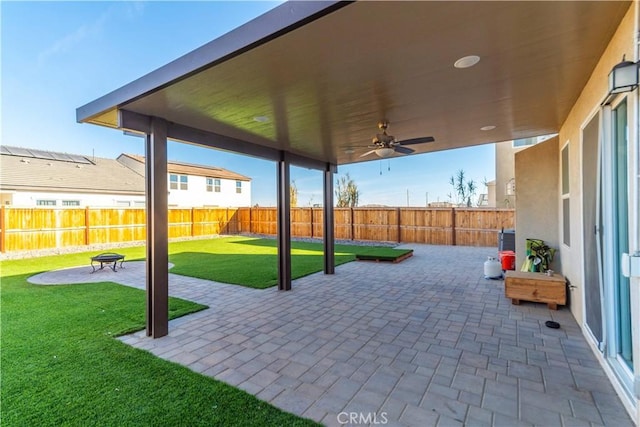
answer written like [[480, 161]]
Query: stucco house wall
[[505, 171], [571, 132], [536, 198], [196, 194], [536, 216], [28, 199]]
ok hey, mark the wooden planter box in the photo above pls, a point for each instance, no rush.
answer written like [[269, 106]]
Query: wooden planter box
[[536, 287]]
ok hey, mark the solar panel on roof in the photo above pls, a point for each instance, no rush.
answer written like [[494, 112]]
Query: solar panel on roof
[[61, 156], [17, 151], [80, 159], [45, 155], [39, 154]]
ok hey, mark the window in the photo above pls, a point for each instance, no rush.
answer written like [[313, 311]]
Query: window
[[213, 185], [524, 142], [45, 202], [71, 203], [178, 182], [123, 203], [238, 186], [566, 205], [139, 204]]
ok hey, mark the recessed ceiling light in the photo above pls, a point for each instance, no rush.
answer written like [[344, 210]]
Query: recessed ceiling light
[[490, 127], [349, 151], [261, 119], [467, 61]]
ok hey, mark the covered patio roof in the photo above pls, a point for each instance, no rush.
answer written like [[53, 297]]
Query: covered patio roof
[[314, 78], [307, 83]]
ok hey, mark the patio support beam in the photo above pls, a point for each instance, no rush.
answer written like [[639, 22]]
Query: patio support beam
[[284, 223], [130, 121], [157, 279], [328, 220]]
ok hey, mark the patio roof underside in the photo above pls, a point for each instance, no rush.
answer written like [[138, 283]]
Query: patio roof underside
[[323, 75]]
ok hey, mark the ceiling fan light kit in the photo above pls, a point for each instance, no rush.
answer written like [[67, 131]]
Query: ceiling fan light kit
[[385, 152]]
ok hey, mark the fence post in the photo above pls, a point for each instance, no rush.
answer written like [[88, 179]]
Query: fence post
[[3, 226], [352, 226], [250, 220], [311, 220], [453, 226], [193, 222], [398, 215], [87, 226]]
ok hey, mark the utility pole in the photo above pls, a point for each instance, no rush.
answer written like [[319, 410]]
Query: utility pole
[[407, 197], [426, 205]]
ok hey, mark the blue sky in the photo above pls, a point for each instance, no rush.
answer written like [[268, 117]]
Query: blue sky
[[57, 56]]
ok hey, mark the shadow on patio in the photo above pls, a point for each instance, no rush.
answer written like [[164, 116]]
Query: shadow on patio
[[428, 341]]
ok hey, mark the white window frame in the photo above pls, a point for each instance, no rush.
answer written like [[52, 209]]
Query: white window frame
[[184, 182]]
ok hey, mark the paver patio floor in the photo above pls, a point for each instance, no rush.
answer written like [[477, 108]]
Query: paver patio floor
[[425, 342]]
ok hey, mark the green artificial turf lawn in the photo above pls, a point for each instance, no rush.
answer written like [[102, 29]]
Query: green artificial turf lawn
[[253, 262], [62, 366]]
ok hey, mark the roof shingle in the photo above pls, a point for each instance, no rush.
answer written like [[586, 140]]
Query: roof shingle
[[196, 170], [99, 176]]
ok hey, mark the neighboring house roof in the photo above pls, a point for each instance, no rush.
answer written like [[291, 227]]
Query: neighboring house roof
[[195, 170], [27, 169]]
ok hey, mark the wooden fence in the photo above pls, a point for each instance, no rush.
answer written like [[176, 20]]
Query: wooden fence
[[23, 229]]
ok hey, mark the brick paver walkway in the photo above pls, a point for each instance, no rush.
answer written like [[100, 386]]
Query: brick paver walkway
[[425, 342]]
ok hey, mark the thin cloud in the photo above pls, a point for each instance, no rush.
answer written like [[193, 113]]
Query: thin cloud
[[129, 11]]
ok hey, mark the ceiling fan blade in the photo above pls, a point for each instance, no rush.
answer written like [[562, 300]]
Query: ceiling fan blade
[[368, 152], [358, 146], [404, 150], [416, 140]]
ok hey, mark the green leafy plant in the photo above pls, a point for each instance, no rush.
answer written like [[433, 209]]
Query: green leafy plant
[[347, 193], [539, 256], [464, 188]]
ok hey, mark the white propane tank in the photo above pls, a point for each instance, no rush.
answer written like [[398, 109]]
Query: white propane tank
[[492, 268]]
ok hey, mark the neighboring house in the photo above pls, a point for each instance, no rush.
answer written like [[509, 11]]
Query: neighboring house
[[196, 185], [483, 199], [31, 177]]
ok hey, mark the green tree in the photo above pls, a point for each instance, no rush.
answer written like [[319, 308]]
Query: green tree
[[347, 193], [293, 194], [464, 188]]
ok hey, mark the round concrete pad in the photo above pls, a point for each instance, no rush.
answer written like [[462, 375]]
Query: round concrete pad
[[130, 271]]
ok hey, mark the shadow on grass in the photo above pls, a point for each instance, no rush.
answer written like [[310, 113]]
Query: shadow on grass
[[258, 271]]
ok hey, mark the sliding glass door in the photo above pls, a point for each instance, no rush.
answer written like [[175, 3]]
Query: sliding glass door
[[620, 234], [615, 240]]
